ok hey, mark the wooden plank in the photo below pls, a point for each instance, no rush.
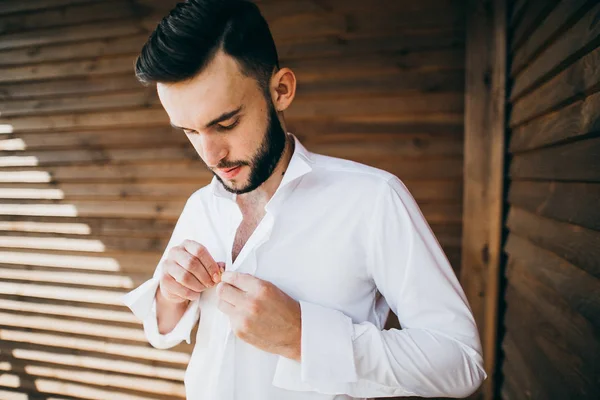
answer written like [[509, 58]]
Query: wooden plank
[[576, 121], [382, 83], [175, 170], [334, 47], [88, 84], [112, 227], [141, 97], [121, 138], [561, 16], [125, 262], [571, 363], [516, 369], [92, 241], [90, 31], [97, 156], [536, 359], [15, 6], [82, 208], [573, 287], [120, 119], [577, 245], [348, 65], [62, 69], [579, 161], [569, 46], [435, 190], [483, 170], [389, 106], [324, 128], [572, 84], [533, 15], [76, 279], [68, 15], [419, 168], [575, 203], [142, 190], [370, 146], [534, 342], [111, 46]]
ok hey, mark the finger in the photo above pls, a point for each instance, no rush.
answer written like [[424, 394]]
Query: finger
[[245, 282], [193, 265], [174, 288], [201, 252], [183, 276], [230, 294], [225, 307]]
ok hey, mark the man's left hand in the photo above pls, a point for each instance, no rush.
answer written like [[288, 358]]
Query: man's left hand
[[261, 314]]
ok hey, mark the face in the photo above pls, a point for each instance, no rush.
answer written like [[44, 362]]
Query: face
[[230, 123]]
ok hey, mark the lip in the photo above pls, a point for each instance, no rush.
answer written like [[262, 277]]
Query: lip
[[231, 172]]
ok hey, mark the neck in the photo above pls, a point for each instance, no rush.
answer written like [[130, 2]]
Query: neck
[[264, 192]]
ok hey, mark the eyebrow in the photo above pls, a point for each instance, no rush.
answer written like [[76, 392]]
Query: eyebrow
[[223, 117]]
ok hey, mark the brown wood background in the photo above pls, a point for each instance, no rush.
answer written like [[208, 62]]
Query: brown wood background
[[92, 179], [552, 323]]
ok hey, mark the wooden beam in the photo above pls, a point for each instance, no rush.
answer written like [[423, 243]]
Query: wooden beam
[[484, 170]]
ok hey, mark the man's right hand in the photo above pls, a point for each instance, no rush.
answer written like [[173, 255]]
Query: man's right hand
[[188, 270]]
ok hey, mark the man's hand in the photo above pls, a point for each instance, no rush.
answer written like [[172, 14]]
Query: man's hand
[[261, 314], [188, 270]]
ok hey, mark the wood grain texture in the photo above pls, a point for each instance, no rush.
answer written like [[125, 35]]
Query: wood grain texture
[[484, 170], [551, 324]]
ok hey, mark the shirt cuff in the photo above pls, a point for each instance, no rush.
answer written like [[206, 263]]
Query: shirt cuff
[[142, 302], [327, 351]]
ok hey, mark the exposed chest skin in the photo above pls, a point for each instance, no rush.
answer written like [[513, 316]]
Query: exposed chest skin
[[253, 211]]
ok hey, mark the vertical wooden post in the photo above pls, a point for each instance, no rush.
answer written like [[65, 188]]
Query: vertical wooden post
[[484, 152]]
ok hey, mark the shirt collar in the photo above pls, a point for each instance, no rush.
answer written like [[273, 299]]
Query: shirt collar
[[300, 164]]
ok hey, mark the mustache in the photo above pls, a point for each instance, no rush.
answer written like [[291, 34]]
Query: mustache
[[230, 164]]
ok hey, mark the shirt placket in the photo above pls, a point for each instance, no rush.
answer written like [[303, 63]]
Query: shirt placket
[[246, 262]]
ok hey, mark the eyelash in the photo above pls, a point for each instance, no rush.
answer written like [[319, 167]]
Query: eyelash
[[219, 128]]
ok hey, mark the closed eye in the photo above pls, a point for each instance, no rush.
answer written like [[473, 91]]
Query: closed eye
[[229, 127]]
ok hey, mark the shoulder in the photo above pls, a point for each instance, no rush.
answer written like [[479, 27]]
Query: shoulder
[[361, 177]]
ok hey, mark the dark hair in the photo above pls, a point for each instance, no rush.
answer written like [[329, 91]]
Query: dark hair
[[187, 39]]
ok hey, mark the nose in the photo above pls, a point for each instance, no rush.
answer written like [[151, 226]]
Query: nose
[[213, 149]]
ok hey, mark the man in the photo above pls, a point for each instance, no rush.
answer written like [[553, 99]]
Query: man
[[315, 250]]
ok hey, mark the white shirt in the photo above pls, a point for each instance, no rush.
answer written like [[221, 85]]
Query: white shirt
[[348, 242]]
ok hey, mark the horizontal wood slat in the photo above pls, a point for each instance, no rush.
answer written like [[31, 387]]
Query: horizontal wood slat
[[579, 161], [575, 203]]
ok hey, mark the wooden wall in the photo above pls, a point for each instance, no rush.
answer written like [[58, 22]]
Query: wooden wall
[[552, 322], [92, 179]]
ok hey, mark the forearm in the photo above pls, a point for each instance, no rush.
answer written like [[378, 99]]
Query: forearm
[[338, 356], [168, 314]]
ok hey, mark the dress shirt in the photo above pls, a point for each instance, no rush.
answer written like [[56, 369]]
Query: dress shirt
[[348, 242]]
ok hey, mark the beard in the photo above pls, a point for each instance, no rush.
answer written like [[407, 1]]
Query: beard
[[264, 161]]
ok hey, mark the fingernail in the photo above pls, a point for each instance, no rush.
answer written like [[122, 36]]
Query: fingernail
[[216, 278]]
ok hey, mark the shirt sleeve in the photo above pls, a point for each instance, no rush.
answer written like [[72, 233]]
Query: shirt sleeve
[[438, 351], [142, 302]]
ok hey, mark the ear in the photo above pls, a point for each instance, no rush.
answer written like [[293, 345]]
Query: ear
[[283, 88]]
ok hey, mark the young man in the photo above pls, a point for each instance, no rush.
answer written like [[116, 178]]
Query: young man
[[316, 250]]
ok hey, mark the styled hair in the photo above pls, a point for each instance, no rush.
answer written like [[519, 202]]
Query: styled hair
[[187, 39]]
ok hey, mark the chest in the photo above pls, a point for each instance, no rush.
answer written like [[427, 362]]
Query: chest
[[251, 219]]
